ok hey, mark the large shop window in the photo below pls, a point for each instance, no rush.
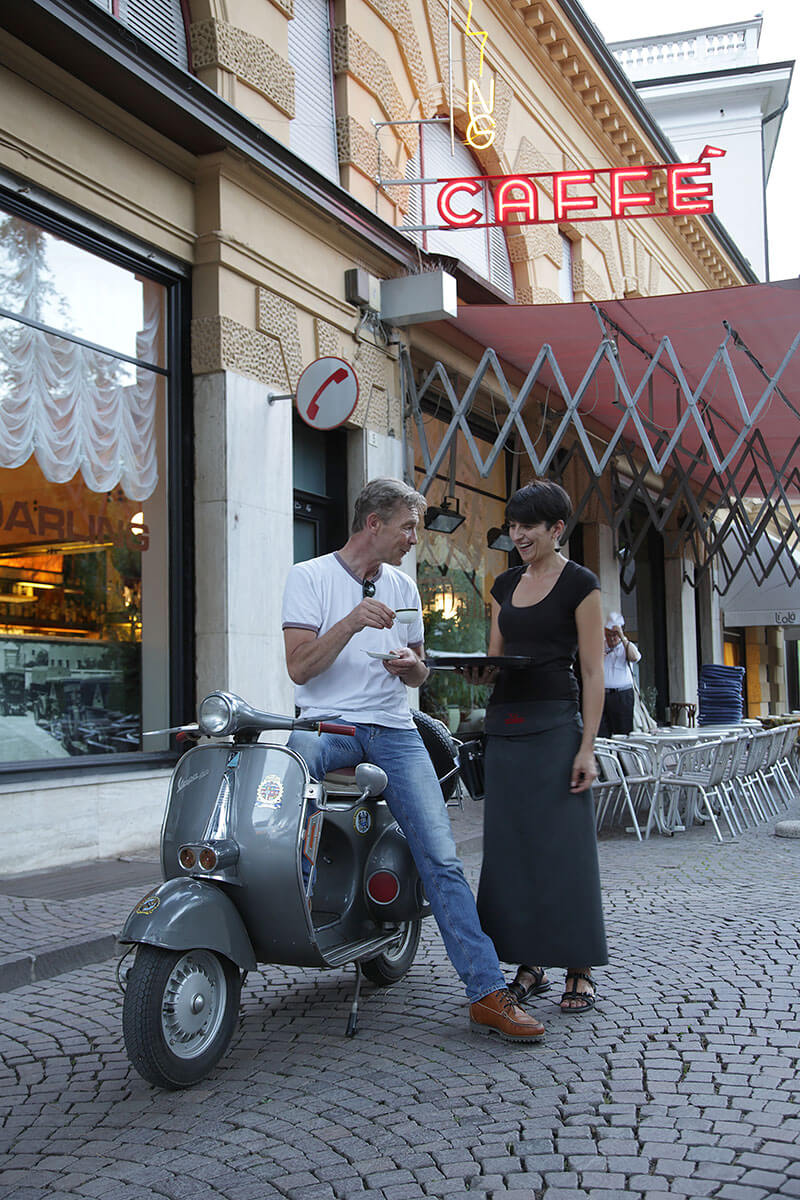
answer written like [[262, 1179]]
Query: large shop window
[[84, 545]]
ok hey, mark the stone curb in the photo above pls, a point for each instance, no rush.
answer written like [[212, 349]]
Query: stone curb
[[19, 970], [34, 966]]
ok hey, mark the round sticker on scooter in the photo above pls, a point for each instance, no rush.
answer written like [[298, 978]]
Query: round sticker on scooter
[[147, 906], [362, 820], [269, 792]]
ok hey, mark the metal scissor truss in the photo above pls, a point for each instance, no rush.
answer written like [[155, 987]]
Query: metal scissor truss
[[727, 489]]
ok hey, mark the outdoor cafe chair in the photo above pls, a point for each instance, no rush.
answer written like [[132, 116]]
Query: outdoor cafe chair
[[784, 765], [777, 768], [611, 792], [695, 774], [749, 785]]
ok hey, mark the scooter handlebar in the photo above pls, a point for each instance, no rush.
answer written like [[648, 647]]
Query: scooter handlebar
[[332, 727]]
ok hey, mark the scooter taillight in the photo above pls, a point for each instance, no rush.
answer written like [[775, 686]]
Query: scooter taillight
[[208, 859], [186, 857], [383, 887]]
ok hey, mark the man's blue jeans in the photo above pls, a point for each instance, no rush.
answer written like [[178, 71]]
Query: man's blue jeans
[[415, 801]]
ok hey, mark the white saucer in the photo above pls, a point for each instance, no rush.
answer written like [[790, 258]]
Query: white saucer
[[380, 654]]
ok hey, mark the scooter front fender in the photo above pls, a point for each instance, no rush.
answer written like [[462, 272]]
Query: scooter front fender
[[184, 914]]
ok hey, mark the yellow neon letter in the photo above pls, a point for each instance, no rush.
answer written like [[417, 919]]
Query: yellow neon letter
[[482, 125]]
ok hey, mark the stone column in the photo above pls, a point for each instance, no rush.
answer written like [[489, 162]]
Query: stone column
[[243, 537], [681, 632], [710, 620]]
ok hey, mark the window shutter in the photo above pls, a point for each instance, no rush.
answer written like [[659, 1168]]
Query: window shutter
[[312, 133], [161, 23], [482, 250], [499, 263]]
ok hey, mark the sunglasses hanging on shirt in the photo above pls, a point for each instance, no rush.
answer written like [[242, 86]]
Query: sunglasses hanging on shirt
[[367, 588]]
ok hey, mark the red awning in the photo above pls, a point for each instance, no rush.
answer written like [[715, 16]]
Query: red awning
[[757, 324]]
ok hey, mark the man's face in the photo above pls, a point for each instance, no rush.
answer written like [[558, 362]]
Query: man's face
[[612, 638], [395, 537]]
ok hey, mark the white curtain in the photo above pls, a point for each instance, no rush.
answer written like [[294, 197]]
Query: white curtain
[[64, 403]]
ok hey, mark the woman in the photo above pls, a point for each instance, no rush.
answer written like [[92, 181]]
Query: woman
[[539, 894]]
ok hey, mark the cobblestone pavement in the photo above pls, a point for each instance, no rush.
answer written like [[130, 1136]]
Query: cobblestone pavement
[[682, 1082]]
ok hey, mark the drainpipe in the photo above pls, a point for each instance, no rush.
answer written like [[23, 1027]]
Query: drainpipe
[[778, 112]]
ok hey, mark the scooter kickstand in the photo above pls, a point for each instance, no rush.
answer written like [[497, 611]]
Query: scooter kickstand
[[352, 1020]]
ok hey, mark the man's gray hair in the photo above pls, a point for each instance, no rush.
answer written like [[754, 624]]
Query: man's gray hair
[[382, 497]]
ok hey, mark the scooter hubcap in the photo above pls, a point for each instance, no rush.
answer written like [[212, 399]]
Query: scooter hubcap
[[193, 1003]]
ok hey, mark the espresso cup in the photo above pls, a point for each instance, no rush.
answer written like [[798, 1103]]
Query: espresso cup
[[405, 615]]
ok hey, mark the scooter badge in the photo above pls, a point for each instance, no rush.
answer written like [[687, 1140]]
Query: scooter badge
[[362, 820], [147, 906], [269, 792]]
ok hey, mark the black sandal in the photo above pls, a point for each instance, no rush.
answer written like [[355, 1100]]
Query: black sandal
[[540, 984], [587, 999]]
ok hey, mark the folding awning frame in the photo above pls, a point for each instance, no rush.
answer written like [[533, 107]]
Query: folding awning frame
[[694, 497]]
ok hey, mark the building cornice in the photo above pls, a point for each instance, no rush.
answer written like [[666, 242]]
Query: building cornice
[[563, 29]]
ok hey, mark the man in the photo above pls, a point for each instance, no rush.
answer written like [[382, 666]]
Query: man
[[620, 652], [337, 609]]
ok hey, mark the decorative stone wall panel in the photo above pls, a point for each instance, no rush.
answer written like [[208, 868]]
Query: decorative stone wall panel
[[353, 55], [357, 146], [277, 318], [437, 20], [538, 295], [586, 279], [535, 241], [221, 344], [397, 15], [220, 44], [529, 159]]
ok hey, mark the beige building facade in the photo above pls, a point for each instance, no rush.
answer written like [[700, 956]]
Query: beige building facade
[[231, 171]]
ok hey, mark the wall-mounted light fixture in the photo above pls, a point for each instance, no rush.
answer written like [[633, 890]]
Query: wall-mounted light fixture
[[498, 539], [446, 517], [443, 518]]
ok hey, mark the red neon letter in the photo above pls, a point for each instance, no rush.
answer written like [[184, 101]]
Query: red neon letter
[[564, 204], [688, 197], [443, 202], [620, 199], [528, 204]]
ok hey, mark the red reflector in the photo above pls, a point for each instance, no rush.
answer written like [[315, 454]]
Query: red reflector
[[208, 859], [186, 858], [383, 887]]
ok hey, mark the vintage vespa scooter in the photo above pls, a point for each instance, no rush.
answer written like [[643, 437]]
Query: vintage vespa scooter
[[262, 864]]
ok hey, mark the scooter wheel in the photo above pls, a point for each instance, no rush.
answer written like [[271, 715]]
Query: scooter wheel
[[395, 961], [179, 1013]]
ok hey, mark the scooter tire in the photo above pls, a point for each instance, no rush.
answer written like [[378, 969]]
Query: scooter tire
[[440, 747], [390, 966], [169, 1043]]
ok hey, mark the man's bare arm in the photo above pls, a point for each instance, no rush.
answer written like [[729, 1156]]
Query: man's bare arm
[[308, 655]]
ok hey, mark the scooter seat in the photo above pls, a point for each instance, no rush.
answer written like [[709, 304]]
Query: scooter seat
[[343, 779]]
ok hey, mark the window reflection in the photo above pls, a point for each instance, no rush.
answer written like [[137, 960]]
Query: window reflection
[[83, 534]]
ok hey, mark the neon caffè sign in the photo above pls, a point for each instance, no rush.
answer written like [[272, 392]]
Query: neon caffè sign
[[551, 197]]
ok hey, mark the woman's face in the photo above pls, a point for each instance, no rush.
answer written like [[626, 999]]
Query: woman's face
[[535, 542]]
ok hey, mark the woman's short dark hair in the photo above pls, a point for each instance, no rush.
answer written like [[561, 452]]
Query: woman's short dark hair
[[537, 502]]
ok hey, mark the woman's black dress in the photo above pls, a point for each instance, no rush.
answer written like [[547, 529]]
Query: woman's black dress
[[539, 894]]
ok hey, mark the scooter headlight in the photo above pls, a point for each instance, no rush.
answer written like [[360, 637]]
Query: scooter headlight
[[216, 715]]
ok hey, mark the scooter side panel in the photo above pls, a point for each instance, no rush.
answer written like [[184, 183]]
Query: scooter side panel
[[182, 914]]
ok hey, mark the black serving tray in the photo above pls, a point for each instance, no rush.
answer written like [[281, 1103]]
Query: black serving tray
[[449, 662]]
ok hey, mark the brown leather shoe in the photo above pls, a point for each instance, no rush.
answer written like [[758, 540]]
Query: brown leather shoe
[[497, 1013]]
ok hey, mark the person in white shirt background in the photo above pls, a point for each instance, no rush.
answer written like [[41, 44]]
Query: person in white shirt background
[[620, 652]]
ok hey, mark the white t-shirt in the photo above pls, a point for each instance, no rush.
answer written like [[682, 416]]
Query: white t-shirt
[[321, 592]]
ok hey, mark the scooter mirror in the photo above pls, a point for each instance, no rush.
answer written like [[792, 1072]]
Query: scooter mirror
[[370, 779]]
